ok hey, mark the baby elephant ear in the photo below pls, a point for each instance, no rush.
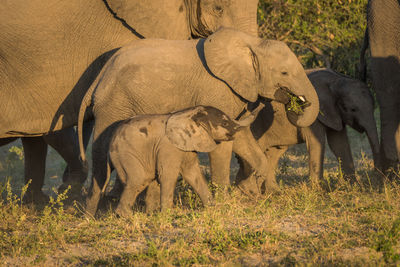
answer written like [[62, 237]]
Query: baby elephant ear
[[187, 135], [329, 114]]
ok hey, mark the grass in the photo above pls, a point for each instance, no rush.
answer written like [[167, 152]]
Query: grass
[[342, 224]]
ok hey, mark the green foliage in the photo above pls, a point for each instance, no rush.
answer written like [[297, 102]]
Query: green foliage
[[17, 150], [23, 234], [323, 33], [295, 104]]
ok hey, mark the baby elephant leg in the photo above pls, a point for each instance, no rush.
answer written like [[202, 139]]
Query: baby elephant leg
[[152, 198], [192, 174], [168, 171], [135, 178]]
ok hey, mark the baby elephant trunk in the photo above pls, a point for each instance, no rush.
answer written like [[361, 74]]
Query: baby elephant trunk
[[249, 117], [372, 134]]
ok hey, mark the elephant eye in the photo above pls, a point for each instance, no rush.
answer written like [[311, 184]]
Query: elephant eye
[[284, 73], [218, 9], [353, 110]]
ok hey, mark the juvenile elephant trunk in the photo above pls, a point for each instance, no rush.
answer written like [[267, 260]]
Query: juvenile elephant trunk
[[373, 139], [310, 105]]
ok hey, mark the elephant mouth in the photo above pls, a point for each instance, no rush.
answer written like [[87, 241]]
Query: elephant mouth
[[294, 104]]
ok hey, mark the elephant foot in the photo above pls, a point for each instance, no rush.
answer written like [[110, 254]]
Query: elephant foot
[[270, 187], [250, 187], [75, 176], [123, 212], [391, 168], [36, 197], [152, 198], [73, 191]]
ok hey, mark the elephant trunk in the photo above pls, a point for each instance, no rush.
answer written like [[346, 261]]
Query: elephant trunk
[[246, 18], [248, 25], [249, 118], [373, 139], [309, 103]]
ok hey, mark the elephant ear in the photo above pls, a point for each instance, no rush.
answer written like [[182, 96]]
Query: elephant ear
[[186, 133], [329, 114], [230, 57]]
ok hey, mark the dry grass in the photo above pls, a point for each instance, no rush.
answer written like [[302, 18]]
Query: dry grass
[[339, 224]]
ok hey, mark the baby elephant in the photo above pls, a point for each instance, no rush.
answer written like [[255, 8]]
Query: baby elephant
[[146, 147], [343, 101]]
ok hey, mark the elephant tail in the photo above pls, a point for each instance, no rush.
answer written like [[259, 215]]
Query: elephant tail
[[108, 175], [86, 102]]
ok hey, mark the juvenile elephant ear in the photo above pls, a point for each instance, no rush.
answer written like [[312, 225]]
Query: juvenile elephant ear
[[187, 134], [229, 56], [329, 114]]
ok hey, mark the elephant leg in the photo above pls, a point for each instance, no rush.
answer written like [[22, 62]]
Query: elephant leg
[[136, 179], [65, 143], [244, 170], [35, 150], [192, 174], [247, 148], [338, 142], [152, 198], [220, 162], [273, 154], [116, 191], [390, 137], [168, 172], [99, 157], [315, 142]]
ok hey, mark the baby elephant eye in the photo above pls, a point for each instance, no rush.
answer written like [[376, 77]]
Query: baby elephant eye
[[225, 124]]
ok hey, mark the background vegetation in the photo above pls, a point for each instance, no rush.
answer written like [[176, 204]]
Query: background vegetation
[[337, 224], [323, 33]]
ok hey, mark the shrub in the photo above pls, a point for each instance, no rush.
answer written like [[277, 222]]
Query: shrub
[[323, 33]]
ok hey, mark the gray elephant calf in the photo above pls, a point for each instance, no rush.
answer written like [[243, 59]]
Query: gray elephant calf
[[148, 146], [343, 101]]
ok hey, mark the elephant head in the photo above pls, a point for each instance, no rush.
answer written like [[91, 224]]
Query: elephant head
[[254, 67], [200, 128], [347, 101], [183, 19]]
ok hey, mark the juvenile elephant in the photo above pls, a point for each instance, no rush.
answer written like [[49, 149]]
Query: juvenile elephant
[[343, 101], [146, 147], [227, 70]]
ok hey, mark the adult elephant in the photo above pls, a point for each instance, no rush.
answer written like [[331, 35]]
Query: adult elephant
[[383, 37], [50, 52]]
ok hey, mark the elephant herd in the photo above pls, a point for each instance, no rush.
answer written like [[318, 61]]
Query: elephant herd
[[158, 81]]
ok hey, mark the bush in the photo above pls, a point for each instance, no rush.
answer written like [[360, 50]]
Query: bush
[[323, 33]]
